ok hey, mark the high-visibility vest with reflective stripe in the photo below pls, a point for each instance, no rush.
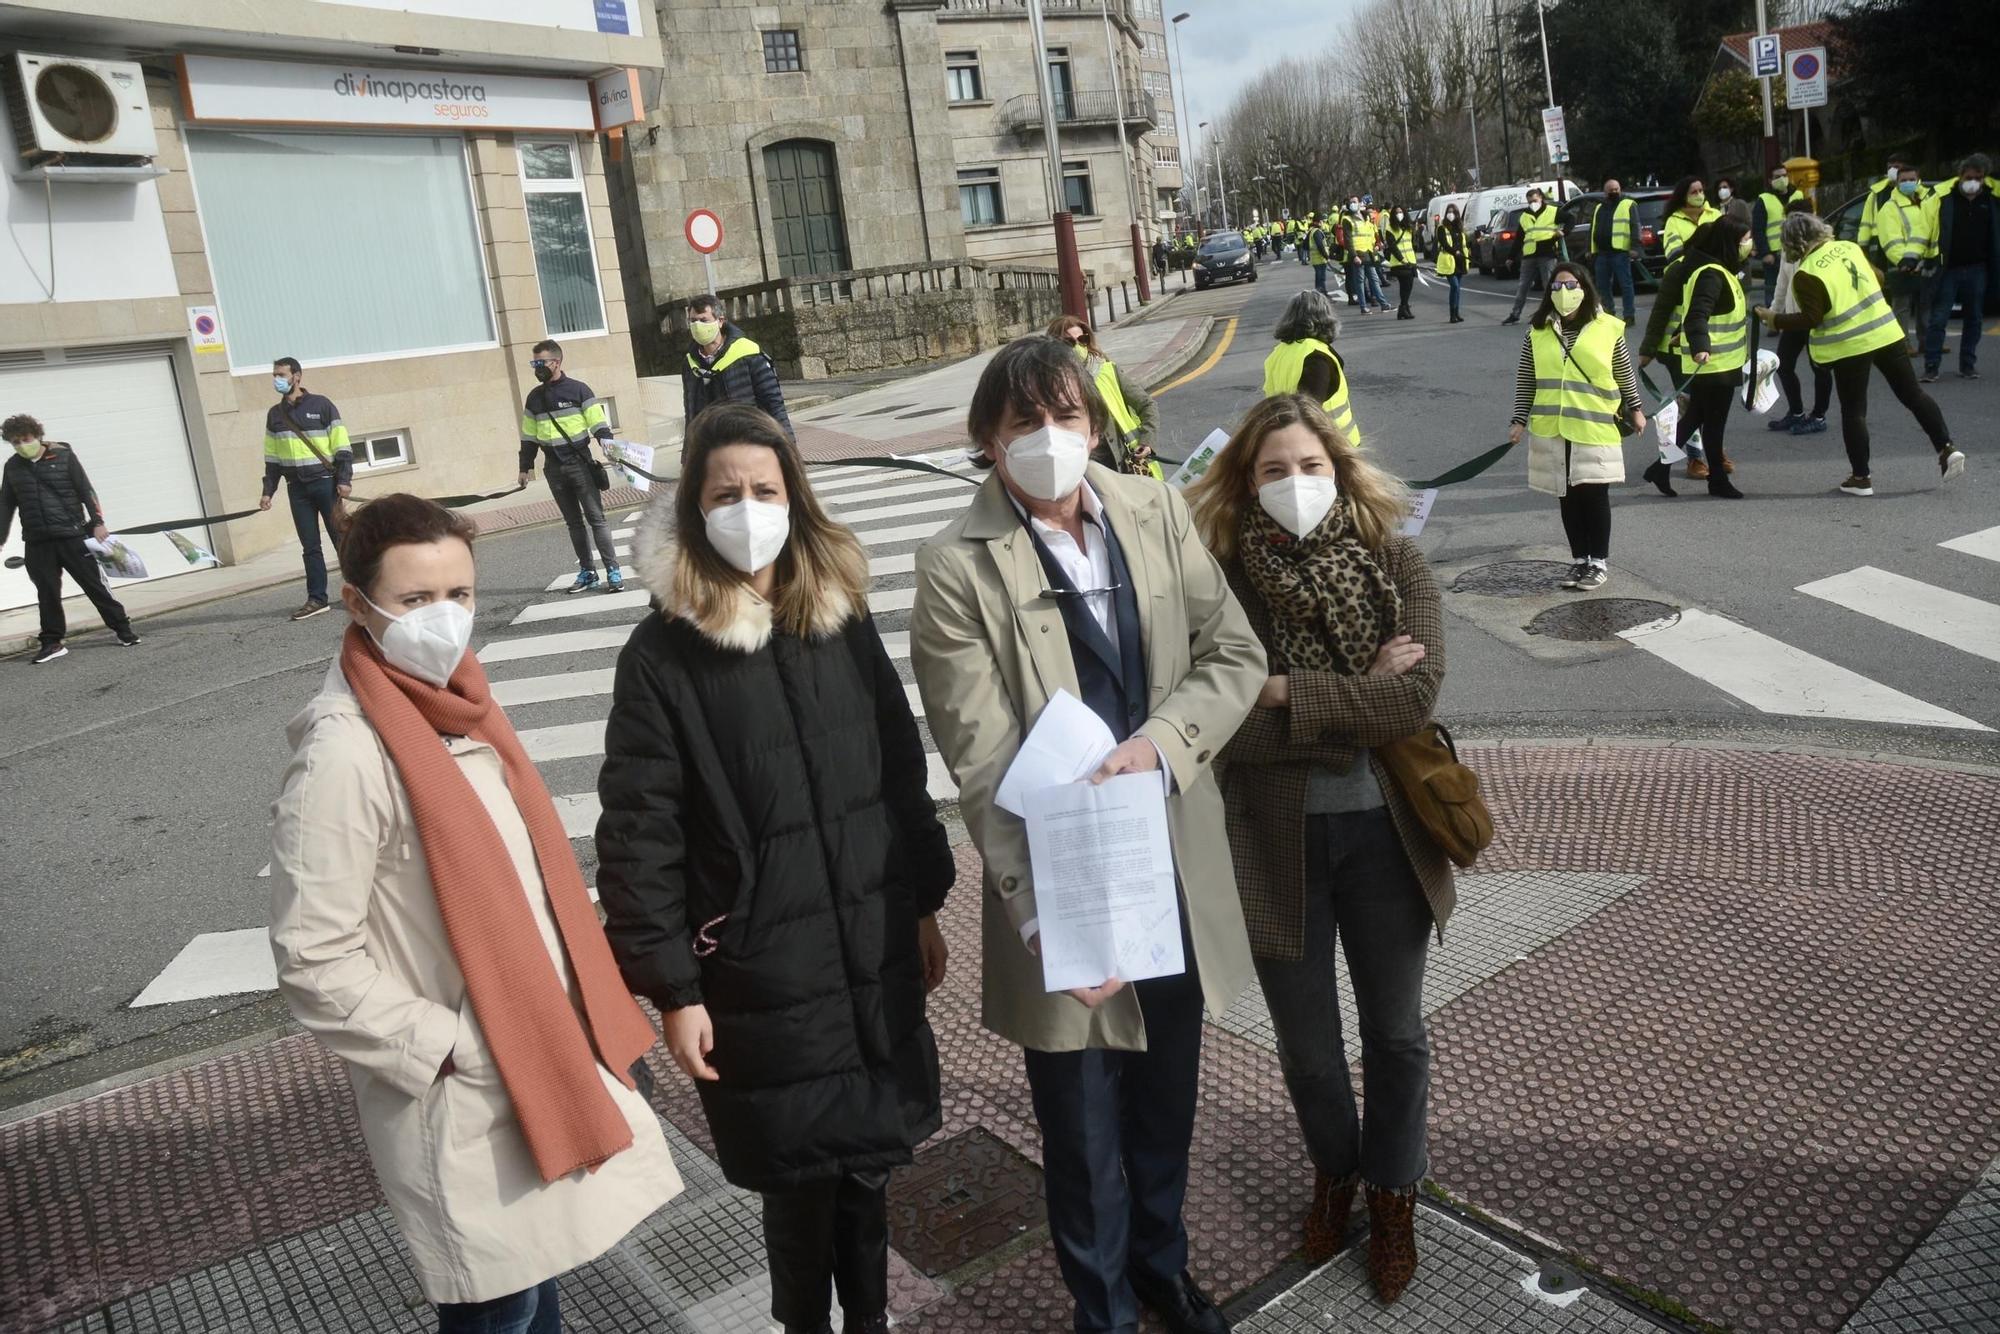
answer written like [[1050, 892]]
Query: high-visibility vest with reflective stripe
[[1624, 226], [1361, 233], [1114, 399], [1539, 228], [1774, 216], [1858, 319], [1678, 228], [1906, 228], [1287, 364], [1728, 335], [1402, 246], [1318, 247], [567, 424], [287, 449], [1576, 394]]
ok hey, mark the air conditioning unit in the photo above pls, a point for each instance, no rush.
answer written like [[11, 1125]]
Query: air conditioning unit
[[81, 112]]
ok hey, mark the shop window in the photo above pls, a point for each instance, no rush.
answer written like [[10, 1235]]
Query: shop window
[[559, 227], [781, 52], [979, 197], [392, 264], [1076, 188], [963, 77], [387, 449]]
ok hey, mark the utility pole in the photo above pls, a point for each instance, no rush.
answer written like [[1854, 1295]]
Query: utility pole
[[1473, 111], [1549, 78], [1221, 183], [1764, 87], [1069, 267], [1500, 75], [1140, 266], [1185, 139]]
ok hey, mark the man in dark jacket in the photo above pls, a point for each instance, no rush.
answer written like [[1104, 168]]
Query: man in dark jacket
[[44, 483], [1968, 256], [558, 421], [724, 366], [305, 443]]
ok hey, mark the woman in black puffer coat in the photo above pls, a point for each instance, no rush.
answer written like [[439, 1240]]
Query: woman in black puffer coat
[[770, 858]]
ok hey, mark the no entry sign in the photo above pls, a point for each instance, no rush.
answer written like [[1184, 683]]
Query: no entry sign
[[704, 231]]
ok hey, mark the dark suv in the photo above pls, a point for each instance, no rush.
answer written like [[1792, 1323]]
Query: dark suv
[[1497, 249], [1649, 210], [1223, 255]]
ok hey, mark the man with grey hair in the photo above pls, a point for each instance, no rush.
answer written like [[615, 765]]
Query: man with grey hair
[[1304, 361], [1852, 332], [1968, 256]]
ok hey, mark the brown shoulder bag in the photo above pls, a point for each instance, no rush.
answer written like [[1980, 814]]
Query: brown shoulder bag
[[1443, 792]]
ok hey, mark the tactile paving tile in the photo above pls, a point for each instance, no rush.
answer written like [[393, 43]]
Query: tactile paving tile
[[1466, 1283], [965, 1197]]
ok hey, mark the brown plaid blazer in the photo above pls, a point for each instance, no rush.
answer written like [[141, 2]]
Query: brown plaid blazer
[[1264, 767]]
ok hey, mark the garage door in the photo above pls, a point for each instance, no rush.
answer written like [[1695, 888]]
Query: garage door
[[121, 408]]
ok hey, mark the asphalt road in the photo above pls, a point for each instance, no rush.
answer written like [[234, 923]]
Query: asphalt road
[[136, 785]]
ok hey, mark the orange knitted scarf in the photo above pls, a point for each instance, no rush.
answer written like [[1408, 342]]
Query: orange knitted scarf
[[548, 1060]]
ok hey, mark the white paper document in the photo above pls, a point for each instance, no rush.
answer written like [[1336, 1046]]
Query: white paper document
[[1198, 461], [1105, 895], [641, 456], [1420, 512], [1066, 743]]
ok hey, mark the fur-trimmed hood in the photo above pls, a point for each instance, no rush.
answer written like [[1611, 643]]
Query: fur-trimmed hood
[[746, 620]]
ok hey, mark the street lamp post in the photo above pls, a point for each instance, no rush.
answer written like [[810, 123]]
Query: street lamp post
[[1069, 267], [1549, 80], [1131, 166], [1221, 188], [1180, 82]]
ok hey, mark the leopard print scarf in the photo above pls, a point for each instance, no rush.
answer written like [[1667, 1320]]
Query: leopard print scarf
[[1332, 605]]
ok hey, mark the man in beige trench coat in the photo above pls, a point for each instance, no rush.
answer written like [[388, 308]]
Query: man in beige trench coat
[[1064, 575]]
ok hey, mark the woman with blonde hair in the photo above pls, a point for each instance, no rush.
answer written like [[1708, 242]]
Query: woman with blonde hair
[[770, 859], [1128, 447], [432, 929], [1325, 845]]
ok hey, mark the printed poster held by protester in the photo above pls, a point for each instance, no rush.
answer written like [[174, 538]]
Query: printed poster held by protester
[[1198, 461], [639, 458]]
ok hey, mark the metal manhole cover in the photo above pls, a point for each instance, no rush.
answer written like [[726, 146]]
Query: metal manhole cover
[[1512, 578], [964, 1197], [1598, 618]]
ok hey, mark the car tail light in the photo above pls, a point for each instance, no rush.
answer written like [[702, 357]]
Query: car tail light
[[1506, 236], [1645, 236]]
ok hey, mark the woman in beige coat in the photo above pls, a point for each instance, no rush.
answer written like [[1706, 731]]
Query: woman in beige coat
[[432, 930]]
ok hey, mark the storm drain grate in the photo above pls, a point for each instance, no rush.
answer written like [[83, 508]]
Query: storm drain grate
[[1512, 578], [1598, 618], [965, 1197]]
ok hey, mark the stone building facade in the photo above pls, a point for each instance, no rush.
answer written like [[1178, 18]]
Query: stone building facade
[[1156, 73], [999, 142], [814, 129]]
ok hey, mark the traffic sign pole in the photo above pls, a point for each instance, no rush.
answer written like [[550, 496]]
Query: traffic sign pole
[[1765, 63]]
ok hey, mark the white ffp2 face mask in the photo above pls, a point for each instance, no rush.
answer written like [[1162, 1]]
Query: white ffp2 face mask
[[750, 533], [1048, 463], [1300, 501], [429, 641]]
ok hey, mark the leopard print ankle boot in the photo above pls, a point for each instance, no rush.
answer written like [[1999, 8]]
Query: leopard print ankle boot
[[1326, 1222], [1392, 1241]]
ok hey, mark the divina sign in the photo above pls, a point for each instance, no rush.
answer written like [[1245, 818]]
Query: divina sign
[[220, 90]]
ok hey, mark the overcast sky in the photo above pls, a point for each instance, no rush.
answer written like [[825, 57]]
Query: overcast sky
[[1227, 42]]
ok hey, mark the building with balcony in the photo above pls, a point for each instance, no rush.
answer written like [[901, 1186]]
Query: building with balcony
[[405, 195], [1156, 76], [1093, 52]]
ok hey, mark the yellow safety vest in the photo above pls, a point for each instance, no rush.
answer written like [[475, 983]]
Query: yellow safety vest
[[1114, 399], [1728, 335], [1678, 228], [1906, 227], [1287, 363], [1318, 246], [1362, 233], [563, 423], [1447, 262], [1402, 246], [1858, 319], [1539, 228], [735, 352], [1576, 394], [1774, 216], [1624, 227]]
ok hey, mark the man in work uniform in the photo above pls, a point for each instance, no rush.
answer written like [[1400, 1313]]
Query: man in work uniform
[[1906, 242], [1539, 235], [306, 444], [1614, 239], [1767, 215], [724, 366], [558, 420], [1878, 195]]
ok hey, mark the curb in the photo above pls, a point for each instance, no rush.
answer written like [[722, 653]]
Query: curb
[[1176, 360]]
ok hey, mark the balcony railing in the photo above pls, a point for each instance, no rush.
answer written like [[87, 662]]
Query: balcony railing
[[1120, 9], [1096, 106]]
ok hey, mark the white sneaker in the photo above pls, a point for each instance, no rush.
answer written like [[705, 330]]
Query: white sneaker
[[1951, 463]]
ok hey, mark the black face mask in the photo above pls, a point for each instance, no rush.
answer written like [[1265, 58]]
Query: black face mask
[[544, 374], [1613, 195]]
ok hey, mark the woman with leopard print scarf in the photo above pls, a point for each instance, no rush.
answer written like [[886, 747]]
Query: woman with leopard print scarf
[[1326, 848]]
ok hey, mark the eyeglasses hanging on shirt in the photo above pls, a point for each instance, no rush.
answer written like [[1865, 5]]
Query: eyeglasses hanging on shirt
[[1060, 593]]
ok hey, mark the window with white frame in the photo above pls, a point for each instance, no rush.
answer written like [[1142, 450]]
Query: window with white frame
[[1076, 188], [380, 450], [559, 228], [610, 406], [405, 267], [963, 80], [1166, 155], [979, 203]]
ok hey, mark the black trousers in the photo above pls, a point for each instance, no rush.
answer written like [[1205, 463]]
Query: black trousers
[[1709, 399], [1791, 343], [47, 559], [1586, 516], [1850, 381], [1406, 281], [831, 1233], [1116, 1126]]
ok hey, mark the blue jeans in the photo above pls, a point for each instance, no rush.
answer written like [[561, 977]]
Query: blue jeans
[[1353, 284], [1319, 278], [1965, 283], [536, 1310], [1371, 275], [312, 505], [1457, 284], [1618, 263]]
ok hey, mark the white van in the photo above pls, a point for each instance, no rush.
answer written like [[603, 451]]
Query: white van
[[1480, 207], [1434, 217]]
